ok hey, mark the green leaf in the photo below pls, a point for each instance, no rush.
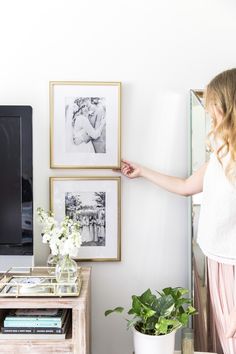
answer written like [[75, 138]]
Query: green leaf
[[182, 291], [131, 323], [167, 291], [182, 301], [149, 313], [176, 293], [191, 310], [165, 326], [131, 312], [162, 326], [183, 318], [140, 309], [166, 305], [117, 309], [147, 297], [136, 305]]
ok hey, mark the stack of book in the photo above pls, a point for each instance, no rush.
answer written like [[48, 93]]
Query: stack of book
[[36, 323]]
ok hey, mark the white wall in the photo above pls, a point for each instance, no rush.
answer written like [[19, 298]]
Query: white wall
[[159, 50]]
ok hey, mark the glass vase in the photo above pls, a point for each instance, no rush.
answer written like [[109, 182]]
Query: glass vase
[[187, 341], [52, 262], [66, 270]]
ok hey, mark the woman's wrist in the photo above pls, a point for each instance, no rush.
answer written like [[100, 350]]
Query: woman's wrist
[[143, 171]]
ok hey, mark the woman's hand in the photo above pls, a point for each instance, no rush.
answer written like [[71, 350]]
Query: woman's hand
[[131, 170]]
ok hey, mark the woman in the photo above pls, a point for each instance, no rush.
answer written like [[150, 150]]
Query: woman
[[85, 230], [95, 230], [102, 225], [83, 131], [217, 222], [91, 227]]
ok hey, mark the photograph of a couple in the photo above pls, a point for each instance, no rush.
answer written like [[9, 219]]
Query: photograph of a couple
[[89, 209], [85, 123]]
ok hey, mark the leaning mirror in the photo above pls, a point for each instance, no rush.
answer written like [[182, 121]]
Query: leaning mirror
[[205, 333]]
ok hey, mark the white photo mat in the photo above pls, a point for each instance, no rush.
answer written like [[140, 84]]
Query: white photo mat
[[61, 186], [62, 92]]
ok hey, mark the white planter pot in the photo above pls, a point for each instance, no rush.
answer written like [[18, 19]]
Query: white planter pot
[[146, 344]]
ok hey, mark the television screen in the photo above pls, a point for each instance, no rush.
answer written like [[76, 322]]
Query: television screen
[[16, 181]]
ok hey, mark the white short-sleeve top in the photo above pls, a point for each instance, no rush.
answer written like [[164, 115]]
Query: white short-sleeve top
[[217, 221]]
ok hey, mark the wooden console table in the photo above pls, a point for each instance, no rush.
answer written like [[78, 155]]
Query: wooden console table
[[77, 340]]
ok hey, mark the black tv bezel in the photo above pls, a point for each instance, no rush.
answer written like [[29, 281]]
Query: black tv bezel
[[25, 113]]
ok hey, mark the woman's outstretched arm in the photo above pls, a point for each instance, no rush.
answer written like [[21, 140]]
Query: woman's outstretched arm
[[182, 186]]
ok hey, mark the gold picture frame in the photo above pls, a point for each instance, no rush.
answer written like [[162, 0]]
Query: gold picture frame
[[85, 125], [94, 202]]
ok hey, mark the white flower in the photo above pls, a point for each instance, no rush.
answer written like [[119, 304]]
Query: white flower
[[63, 238], [46, 238], [54, 250]]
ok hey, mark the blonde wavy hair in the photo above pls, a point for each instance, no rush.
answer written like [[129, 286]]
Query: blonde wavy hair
[[220, 94]]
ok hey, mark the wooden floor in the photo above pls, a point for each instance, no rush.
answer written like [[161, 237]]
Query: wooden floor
[[179, 352]]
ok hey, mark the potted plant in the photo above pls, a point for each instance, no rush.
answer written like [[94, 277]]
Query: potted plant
[[156, 319]]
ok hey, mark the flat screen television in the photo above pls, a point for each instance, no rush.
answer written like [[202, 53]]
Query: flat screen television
[[16, 181]]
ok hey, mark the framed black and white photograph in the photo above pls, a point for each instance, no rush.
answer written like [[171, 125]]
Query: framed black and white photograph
[[94, 202], [85, 124]]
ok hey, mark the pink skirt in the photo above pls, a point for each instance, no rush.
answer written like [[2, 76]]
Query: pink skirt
[[222, 285]]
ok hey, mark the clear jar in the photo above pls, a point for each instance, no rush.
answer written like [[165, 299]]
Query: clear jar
[[66, 270], [52, 262], [187, 341]]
